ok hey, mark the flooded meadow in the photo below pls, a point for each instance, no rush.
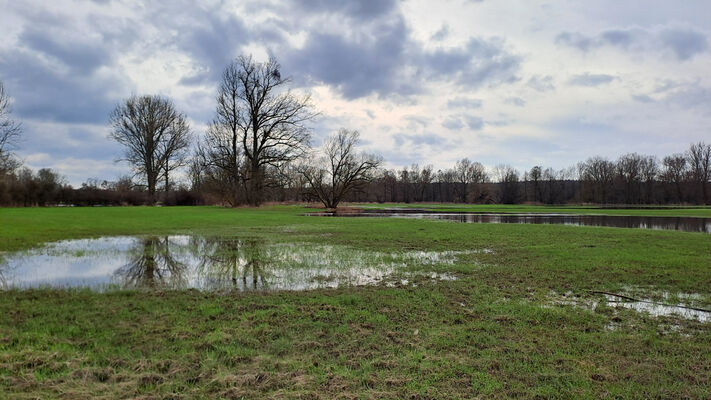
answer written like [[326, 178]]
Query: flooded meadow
[[211, 263], [686, 224]]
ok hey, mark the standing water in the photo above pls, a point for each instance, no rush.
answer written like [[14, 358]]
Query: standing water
[[687, 224]]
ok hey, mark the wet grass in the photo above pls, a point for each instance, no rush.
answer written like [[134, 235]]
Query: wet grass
[[491, 333]]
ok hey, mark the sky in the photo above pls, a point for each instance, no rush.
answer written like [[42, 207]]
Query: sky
[[522, 83]]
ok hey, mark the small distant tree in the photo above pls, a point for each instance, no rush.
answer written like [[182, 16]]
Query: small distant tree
[[9, 133], [509, 191], [597, 175], [339, 170], [467, 174], [675, 171], [535, 175], [699, 159], [154, 134]]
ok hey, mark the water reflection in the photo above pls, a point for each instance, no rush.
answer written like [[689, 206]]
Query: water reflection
[[230, 263], [207, 263], [688, 224], [152, 265]]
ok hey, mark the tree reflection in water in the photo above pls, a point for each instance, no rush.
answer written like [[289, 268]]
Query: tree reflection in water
[[152, 265], [230, 263], [4, 268]]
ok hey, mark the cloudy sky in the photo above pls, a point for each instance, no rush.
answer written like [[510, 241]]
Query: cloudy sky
[[497, 81]]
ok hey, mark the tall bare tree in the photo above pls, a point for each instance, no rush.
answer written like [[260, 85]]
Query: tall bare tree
[[259, 123], [339, 170], [154, 134], [9, 132]]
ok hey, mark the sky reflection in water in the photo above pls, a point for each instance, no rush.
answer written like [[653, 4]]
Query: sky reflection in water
[[206, 263]]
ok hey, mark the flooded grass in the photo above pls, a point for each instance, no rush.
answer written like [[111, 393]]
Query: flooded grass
[[659, 308], [687, 224], [210, 263], [463, 318]]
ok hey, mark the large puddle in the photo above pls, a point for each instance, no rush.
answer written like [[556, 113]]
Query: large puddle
[[210, 263], [687, 224]]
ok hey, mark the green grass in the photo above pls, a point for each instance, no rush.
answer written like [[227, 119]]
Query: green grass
[[491, 333]]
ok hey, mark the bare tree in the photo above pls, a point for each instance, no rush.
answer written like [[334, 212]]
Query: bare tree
[[258, 124], [9, 133], [535, 175], [699, 158], [598, 173], [468, 174], [649, 173], [508, 179], [675, 171], [629, 170], [155, 136], [422, 180], [340, 170]]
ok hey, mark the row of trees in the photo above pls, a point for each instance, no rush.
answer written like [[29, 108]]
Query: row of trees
[[631, 179]]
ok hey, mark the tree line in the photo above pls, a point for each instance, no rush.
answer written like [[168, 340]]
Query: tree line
[[257, 149]]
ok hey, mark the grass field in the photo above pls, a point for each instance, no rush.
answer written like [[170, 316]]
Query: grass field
[[503, 329]]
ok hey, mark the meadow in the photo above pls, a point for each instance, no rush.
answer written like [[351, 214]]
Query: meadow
[[523, 318]]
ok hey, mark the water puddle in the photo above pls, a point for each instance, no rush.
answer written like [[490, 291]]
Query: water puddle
[[211, 263], [653, 308], [687, 224]]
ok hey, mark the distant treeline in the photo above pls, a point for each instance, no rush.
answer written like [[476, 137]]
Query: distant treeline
[[631, 179]]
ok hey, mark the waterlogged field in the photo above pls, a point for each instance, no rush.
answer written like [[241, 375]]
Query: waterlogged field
[[245, 303]]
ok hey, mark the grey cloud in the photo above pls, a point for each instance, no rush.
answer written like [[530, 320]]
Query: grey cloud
[[362, 10], [464, 102], [473, 122], [541, 83], [453, 123], [214, 43], [458, 122], [642, 98], [441, 34], [57, 95], [489, 64], [383, 59], [416, 121], [686, 94], [684, 43], [356, 67], [618, 37], [576, 40], [591, 80], [429, 139], [622, 38], [691, 97], [515, 101], [81, 57], [79, 141]]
